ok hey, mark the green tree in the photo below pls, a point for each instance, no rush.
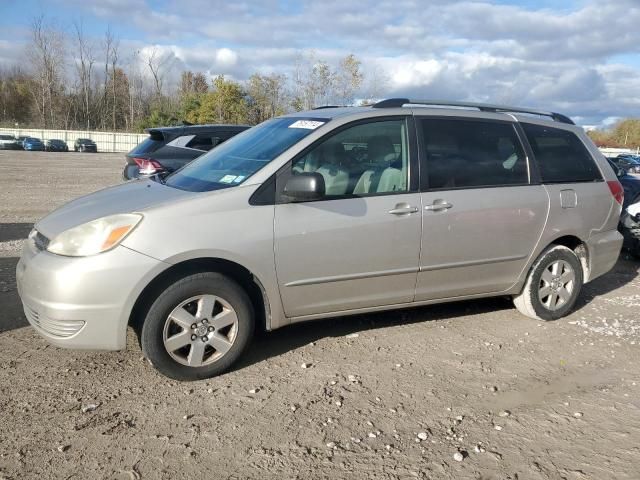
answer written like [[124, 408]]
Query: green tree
[[267, 97], [226, 103]]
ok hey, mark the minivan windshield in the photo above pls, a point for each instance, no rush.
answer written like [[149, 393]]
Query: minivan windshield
[[237, 159]]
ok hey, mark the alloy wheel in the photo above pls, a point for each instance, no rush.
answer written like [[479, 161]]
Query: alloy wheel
[[556, 285], [200, 330]]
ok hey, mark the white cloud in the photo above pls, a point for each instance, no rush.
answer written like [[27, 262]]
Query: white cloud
[[226, 58], [565, 57]]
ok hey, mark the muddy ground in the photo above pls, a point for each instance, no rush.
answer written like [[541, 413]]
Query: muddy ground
[[385, 396]]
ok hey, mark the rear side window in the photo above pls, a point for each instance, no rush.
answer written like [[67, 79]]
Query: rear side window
[[561, 156], [149, 145], [205, 141], [469, 153]]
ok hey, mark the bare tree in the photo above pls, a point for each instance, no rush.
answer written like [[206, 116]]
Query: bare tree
[[348, 79], [158, 64], [376, 84], [84, 67], [46, 53], [114, 82]]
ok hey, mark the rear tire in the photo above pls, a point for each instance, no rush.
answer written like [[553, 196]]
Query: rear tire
[[198, 327], [552, 286]]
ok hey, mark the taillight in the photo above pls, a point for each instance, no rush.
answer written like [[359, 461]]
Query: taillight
[[148, 167], [616, 190]]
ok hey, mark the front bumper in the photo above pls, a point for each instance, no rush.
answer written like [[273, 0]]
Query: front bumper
[[631, 225], [83, 302]]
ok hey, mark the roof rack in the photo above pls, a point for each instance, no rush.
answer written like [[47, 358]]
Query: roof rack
[[483, 107], [328, 106]]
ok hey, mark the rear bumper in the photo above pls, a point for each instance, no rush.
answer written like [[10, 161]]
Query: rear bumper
[[82, 302], [604, 250]]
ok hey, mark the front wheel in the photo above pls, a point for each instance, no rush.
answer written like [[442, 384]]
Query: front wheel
[[553, 285], [198, 327]]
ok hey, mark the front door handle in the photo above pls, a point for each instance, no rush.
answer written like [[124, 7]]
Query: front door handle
[[403, 209], [438, 205]]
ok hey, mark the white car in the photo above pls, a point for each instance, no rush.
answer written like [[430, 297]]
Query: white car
[[7, 142], [630, 222]]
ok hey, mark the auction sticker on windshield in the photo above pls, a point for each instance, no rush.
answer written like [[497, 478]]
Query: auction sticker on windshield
[[308, 124]]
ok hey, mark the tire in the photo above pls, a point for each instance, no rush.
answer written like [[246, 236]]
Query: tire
[[169, 322], [533, 301]]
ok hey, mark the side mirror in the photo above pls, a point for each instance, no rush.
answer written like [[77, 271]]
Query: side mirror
[[305, 187]]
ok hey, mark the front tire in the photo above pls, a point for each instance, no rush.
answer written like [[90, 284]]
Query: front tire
[[553, 285], [198, 327]]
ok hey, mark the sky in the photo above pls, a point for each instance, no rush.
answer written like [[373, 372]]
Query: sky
[[579, 57]]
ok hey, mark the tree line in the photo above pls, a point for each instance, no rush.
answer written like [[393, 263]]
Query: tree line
[[624, 134], [73, 81]]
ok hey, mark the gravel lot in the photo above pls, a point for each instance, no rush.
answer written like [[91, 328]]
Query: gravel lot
[[385, 396]]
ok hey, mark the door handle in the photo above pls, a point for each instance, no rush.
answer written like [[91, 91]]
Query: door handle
[[438, 205], [403, 209]]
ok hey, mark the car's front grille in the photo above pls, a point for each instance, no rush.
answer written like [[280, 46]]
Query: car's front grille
[[40, 241], [55, 328]]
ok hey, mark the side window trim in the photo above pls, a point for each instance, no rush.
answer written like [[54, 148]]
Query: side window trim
[[283, 174], [532, 164], [532, 171], [584, 148]]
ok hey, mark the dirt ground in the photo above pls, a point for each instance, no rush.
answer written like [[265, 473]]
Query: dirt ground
[[387, 396]]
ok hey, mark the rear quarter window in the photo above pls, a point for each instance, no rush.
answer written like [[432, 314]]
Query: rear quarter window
[[148, 145], [561, 155]]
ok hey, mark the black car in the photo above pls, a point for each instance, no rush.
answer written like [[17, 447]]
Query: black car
[[166, 149], [631, 163], [630, 184], [55, 145], [85, 145]]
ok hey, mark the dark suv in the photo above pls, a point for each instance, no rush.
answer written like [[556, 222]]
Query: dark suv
[[169, 148], [85, 145]]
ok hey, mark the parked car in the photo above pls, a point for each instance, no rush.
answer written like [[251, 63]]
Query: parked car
[[168, 149], [327, 212], [55, 145], [629, 224], [630, 184], [32, 143], [631, 163], [85, 145], [20, 142], [7, 142], [630, 228]]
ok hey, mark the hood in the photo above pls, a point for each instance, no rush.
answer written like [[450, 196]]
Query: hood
[[130, 197]]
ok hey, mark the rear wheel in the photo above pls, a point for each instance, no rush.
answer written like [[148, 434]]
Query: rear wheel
[[198, 327], [553, 285]]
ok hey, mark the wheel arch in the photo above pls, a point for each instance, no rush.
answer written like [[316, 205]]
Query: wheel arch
[[581, 250], [571, 241], [240, 274]]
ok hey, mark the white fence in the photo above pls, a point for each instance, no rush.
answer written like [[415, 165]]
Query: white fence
[[614, 152], [106, 141]]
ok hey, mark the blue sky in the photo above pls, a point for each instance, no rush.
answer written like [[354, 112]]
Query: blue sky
[[581, 57]]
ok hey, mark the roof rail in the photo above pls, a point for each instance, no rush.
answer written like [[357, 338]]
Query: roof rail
[[483, 107], [327, 106]]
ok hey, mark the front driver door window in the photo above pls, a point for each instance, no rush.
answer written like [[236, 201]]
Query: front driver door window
[[359, 246], [367, 159]]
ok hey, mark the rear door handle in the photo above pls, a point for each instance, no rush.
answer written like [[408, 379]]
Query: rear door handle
[[438, 205], [403, 209]]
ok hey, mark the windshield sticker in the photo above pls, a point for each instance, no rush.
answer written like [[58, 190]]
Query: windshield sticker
[[228, 179], [239, 178], [307, 124]]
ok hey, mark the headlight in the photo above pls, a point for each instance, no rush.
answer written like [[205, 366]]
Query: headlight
[[94, 237]]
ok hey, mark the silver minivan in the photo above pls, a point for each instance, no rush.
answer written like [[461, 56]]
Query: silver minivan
[[329, 212]]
